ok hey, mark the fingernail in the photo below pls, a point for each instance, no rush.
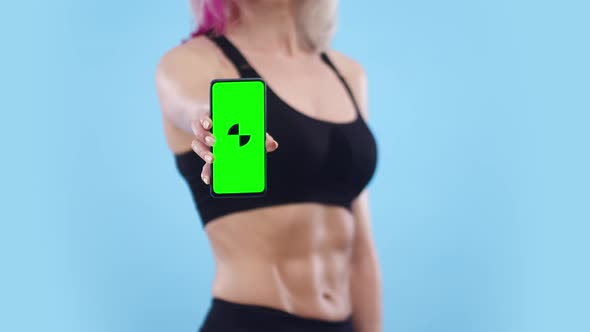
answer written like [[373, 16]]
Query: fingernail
[[208, 158], [206, 124], [205, 179], [210, 140]]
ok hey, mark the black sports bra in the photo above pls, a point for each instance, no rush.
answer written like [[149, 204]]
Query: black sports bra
[[317, 161]]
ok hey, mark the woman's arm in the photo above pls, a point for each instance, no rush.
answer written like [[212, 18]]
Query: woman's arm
[[183, 77], [182, 81], [365, 272]]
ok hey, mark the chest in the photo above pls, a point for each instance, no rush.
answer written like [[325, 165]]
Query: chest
[[307, 86], [315, 154]]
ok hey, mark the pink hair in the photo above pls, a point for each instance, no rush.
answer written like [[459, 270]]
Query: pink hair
[[210, 16], [316, 20]]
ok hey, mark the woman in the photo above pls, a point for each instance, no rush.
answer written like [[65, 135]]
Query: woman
[[302, 257]]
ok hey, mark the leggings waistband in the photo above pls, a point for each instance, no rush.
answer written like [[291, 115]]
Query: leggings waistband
[[229, 316]]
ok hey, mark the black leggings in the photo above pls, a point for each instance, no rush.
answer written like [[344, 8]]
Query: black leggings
[[225, 316]]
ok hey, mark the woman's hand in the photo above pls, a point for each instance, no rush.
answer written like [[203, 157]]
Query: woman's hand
[[204, 140]]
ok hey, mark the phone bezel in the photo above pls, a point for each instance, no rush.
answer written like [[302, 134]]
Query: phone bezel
[[237, 195]]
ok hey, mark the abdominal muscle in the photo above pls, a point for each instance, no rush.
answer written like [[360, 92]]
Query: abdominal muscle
[[294, 258]]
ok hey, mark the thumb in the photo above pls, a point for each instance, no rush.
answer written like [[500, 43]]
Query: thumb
[[271, 144]]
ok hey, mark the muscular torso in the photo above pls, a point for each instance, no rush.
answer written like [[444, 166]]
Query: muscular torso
[[293, 257]]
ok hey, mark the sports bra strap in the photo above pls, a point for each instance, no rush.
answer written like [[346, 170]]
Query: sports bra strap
[[329, 62], [234, 55], [246, 71]]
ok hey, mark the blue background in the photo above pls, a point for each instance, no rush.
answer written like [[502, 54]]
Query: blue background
[[480, 204]]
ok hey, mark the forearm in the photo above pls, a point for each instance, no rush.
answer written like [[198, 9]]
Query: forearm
[[366, 296]]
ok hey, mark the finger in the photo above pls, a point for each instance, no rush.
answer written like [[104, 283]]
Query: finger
[[202, 151], [201, 134], [206, 173], [206, 122], [270, 143]]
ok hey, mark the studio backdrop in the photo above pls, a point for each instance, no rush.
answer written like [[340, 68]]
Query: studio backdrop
[[479, 204]]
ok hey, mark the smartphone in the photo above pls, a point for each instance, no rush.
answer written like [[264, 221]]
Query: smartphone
[[238, 112]]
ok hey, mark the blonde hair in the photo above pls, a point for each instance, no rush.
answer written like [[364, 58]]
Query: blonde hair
[[316, 20]]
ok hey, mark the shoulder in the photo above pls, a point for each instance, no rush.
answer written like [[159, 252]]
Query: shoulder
[[185, 66], [355, 75], [347, 65], [192, 52]]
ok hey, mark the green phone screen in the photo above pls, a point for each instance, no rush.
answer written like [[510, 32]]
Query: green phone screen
[[238, 114]]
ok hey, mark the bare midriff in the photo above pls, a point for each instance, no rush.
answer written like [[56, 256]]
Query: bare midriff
[[294, 258]]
